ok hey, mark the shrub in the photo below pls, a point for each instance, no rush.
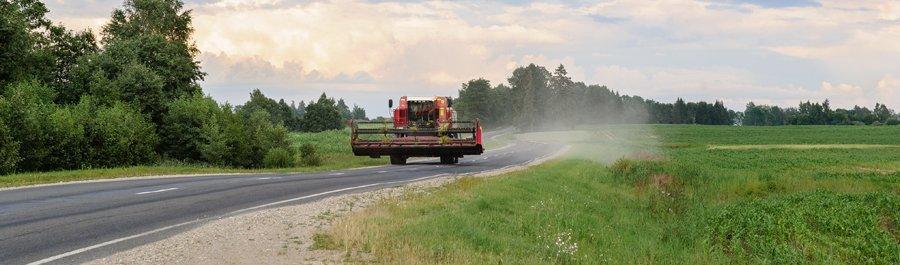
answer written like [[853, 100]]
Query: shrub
[[893, 121], [225, 141], [25, 110], [232, 140], [187, 126], [122, 136], [9, 150], [66, 129], [262, 135], [309, 156], [278, 158]]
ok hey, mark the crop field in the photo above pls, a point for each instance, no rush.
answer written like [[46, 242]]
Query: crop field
[[657, 194], [332, 146]]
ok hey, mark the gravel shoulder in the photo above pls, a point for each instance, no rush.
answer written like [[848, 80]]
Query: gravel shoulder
[[274, 236]]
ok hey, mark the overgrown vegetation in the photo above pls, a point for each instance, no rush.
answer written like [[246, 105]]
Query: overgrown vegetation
[[658, 194]]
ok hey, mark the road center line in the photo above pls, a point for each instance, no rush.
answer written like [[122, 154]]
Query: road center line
[[337, 174], [155, 191], [111, 242], [107, 243]]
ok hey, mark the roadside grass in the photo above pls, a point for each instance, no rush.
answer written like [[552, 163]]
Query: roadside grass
[[656, 194], [333, 146]]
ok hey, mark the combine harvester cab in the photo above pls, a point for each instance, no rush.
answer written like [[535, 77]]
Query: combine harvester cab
[[421, 127]]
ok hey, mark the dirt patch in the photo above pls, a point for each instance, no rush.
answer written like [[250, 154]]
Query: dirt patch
[[662, 180], [800, 146]]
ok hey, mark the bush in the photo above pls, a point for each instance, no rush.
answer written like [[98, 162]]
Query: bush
[[25, 110], [66, 129], [309, 156], [262, 136], [893, 121], [278, 158], [225, 141], [9, 150], [188, 126], [232, 140], [122, 136]]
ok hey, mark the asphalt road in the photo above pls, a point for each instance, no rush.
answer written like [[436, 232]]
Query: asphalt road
[[70, 223]]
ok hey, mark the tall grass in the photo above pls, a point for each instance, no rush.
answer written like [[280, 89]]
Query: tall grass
[[657, 194]]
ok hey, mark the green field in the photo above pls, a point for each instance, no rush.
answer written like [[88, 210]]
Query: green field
[[658, 194], [332, 145]]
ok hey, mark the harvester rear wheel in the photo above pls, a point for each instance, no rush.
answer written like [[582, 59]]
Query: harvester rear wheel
[[449, 160], [398, 160]]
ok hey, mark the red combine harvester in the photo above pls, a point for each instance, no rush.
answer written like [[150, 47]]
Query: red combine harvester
[[422, 127]]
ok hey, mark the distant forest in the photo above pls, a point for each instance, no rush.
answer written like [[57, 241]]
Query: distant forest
[[319, 115], [536, 99]]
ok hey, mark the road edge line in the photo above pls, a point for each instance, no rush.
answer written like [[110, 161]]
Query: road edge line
[[122, 239]]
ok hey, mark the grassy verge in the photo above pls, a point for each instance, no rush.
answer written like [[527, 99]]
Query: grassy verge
[[332, 145], [657, 194]]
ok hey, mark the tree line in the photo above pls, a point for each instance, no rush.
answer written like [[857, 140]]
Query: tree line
[[319, 115], [814, 113], [74, 100], [536, 99]]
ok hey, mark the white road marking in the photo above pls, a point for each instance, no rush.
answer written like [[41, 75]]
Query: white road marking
[[337, 174], [330, 192], [263, 178], [155, 191], [107, 243], [114, 241], [381, 171]]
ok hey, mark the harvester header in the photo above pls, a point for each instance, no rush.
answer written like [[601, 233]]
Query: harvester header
[[421, 127]]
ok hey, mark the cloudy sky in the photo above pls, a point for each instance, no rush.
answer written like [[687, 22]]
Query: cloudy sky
[[767, 51]]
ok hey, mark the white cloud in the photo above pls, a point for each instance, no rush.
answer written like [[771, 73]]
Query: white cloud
[[350, 37], [699, 50], [888, 91]]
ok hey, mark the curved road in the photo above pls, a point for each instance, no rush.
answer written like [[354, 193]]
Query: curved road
[[69, 223]]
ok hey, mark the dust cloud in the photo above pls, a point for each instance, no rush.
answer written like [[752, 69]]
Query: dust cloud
[[602, 143]]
